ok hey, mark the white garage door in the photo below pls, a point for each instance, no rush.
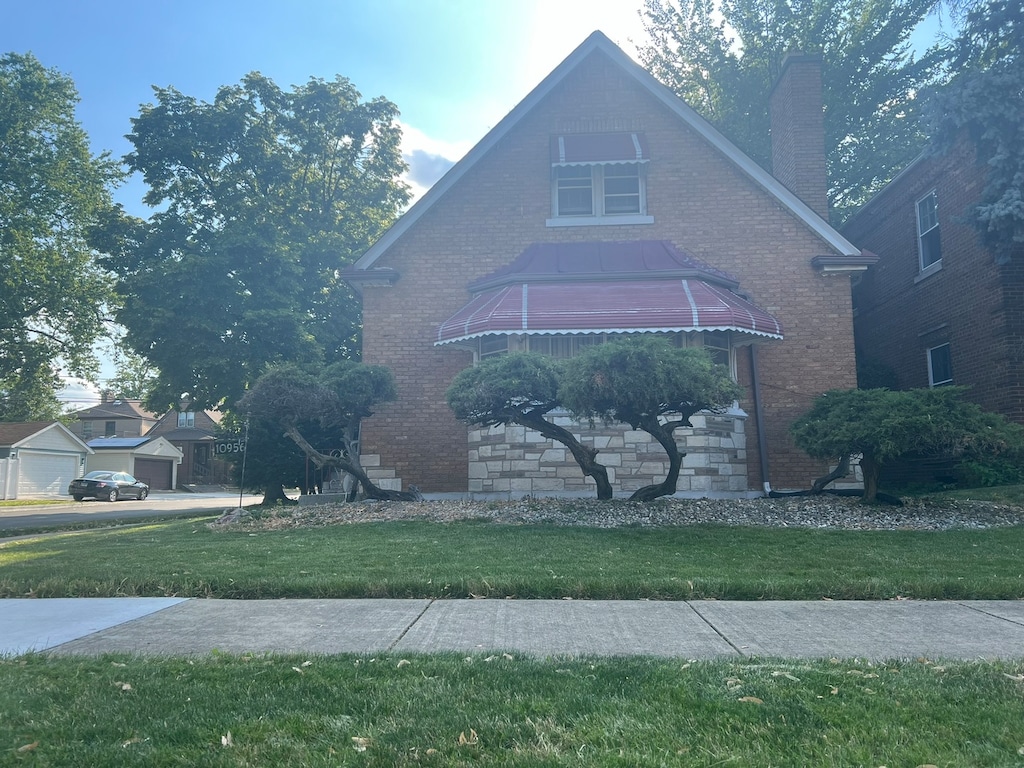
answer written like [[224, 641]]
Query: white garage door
[[45, 474]]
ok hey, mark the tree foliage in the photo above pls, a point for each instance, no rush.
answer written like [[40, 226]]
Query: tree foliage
[[985, 100], [521, 388], [651, 385], [722, 58], [264, 196], [52, 192], [332, 403], [881, 425]]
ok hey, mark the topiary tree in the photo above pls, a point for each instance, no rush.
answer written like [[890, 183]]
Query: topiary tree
[[521, 388], [649, 384], [882, 425], [339, 398]]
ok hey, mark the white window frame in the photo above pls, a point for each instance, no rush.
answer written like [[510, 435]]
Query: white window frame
[[926, 225], [186, 419], [599, 197], [932, 382]]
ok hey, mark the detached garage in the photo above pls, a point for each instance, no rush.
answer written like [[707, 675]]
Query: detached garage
[[39, 458], [153, 460]]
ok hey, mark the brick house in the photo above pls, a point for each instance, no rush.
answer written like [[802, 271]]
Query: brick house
[[194, 434], [603, 205], [936, 309]]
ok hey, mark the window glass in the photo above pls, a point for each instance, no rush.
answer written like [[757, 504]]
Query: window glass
[[493, 345], [186, 418], [575, 190], [940, 366], [622, 188], [928, 231]]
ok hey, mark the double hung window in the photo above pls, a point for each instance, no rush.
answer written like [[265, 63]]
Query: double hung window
[[940, 366], [929, 240]]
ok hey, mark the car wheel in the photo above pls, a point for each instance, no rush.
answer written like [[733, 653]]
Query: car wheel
[[143, 494], [112, 495], [78, 498]]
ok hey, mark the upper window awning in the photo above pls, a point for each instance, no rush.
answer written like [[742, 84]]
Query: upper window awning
[[599, 148]]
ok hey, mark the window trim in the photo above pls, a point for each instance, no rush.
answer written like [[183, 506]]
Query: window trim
[[931, 365], [599, 199], [936, 264]]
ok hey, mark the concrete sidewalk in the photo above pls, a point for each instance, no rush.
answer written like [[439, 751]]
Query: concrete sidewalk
[[692, 630]]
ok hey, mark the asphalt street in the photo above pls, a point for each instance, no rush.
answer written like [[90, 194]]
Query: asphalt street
[[159, 504]]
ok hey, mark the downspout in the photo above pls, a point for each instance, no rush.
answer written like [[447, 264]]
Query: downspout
[[762, 440]]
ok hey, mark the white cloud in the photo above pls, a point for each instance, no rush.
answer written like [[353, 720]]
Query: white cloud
[[428, 158], [78, 395]]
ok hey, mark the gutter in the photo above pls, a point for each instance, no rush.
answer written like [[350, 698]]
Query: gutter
[[762, 440]]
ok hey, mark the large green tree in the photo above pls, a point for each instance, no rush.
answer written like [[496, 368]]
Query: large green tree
[[985, 101], [264, 195], [53, 190], [651, 385], [723, 57]]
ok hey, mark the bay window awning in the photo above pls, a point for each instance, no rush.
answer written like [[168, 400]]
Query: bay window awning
[[643, 286], [598, 148]]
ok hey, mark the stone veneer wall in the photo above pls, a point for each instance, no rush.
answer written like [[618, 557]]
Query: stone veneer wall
[[513, 461]]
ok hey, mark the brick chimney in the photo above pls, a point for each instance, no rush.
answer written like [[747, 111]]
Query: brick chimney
[[798, 130]]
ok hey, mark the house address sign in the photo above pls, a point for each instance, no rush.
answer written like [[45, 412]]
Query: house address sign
[[222, 447]]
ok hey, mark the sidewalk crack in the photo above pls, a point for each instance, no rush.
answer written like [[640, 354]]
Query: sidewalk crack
[[412, 624], [715, 629], [993, 615]]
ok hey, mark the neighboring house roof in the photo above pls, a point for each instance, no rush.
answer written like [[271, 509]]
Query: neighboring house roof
[[117, 409], [606, 287], [16, 434], [186, 433], [362, 270], [100, 443]]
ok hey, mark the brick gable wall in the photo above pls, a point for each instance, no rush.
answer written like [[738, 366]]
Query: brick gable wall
[[700, 201], [971, 302]]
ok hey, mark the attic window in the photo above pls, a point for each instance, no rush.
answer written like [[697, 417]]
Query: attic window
[[598, 178]]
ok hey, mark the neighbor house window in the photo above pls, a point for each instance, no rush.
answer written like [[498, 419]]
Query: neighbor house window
[[940, 366], [110, 429], [186, 418], [87, 430], [929, 242], [599, 178]]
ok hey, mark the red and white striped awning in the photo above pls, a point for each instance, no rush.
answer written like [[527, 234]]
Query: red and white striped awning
[[636, 286]]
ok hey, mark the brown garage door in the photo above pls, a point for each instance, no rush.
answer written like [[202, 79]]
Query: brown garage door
[[156, 473]]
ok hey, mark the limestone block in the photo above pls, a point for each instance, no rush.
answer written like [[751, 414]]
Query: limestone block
[[522, 484], [636, 436], [552, 455], [525, 466], [548, 484], [477, 470], [610, 459], [369, 460], [691, 460]]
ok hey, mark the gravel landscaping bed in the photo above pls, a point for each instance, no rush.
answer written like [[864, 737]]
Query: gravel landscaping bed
[[824, 511]]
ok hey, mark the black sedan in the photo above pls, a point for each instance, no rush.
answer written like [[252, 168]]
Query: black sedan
[[109, 486]]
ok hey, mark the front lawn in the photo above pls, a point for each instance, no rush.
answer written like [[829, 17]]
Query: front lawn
[[501, 710], [462, 559]]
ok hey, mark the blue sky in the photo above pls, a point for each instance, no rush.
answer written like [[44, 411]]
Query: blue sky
[[453, 67]]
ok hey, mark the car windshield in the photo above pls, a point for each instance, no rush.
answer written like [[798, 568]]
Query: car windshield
[[99, 476]]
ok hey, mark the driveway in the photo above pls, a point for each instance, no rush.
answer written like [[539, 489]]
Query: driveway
[[159, 504]]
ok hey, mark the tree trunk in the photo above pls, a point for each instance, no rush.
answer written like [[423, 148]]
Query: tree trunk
[[369, 487], [870, 469], [274, 494], [664, 434], [584, 456], [841, 471]]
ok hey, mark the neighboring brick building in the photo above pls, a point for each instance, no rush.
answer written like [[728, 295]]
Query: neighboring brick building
[[602, 171], [936, 308]]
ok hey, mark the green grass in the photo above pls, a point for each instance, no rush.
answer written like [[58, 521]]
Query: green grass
[[33, 502], [419, 559], [1002, 494], [501, 710]]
